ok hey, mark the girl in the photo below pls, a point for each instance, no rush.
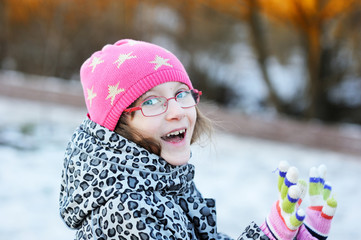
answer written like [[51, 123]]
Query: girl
[[126, 173]]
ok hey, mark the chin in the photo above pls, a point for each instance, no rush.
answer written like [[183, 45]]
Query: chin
[[176, 160]]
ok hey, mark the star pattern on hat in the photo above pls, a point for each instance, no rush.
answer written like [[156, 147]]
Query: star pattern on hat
[[113, 91], [95, 62], [123, 57], [132, 42], [159, 61], [91, 95]]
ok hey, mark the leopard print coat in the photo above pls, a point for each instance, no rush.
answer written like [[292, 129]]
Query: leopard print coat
[[114, 189]]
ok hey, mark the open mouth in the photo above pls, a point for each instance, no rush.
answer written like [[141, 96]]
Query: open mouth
[[174, 137]]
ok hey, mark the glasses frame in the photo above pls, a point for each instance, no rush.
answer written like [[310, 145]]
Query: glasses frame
[[139, 107]]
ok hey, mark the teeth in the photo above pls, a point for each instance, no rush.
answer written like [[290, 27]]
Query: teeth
[[175, 133]]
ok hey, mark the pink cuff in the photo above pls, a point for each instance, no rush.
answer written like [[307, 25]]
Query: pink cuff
[[304, 234], [319, 224], [266, 231], [277, 225]]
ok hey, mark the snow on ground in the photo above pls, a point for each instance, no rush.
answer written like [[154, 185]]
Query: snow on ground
[[237, 171]]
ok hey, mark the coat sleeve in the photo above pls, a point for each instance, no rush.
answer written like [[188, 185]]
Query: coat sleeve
[[127, 220], [253, 232]]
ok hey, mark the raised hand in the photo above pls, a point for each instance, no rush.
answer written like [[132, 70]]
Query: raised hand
[[285, 218], [322, 207]]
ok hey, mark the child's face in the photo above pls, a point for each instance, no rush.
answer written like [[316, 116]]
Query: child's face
[[175, 148]]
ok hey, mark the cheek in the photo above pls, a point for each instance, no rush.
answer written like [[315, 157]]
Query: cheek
[[143, 125], [192, 119]]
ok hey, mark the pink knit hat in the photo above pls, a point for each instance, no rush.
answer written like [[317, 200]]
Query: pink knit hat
[[119, 74]]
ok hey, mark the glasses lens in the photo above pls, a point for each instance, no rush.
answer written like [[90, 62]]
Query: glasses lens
[[158, 105], [154, 106], [188, 98]]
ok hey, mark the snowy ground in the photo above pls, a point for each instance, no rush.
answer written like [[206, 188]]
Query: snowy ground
[[237, 171]]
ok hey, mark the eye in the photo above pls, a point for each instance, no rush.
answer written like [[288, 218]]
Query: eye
[[182, 94], [151, 102]]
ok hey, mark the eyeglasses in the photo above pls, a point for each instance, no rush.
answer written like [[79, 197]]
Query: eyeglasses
[[155, 106]]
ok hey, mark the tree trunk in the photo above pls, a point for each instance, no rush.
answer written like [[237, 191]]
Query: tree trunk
[[314, 89], [4, 31], [259, 45]]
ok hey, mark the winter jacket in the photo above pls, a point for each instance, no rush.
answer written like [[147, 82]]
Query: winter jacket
[[114, 189]]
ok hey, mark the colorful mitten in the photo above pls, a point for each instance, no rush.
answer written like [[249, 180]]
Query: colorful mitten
[[322, 208], [284, 220]]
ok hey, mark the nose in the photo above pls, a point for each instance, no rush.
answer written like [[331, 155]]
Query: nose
[[174, 111]]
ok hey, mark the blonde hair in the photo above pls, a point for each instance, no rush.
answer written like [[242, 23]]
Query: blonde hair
[[203, 126]]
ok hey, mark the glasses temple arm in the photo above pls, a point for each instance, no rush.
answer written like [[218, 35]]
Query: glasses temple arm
[[128, 110]]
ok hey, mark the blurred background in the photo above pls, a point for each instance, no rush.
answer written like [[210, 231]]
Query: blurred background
[[297, 58], [288, 72]]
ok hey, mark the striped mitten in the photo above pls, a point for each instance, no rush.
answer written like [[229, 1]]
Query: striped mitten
[[322, 207], [285, 217]]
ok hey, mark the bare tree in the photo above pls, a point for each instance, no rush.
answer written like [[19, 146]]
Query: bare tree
[[318, 25]]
